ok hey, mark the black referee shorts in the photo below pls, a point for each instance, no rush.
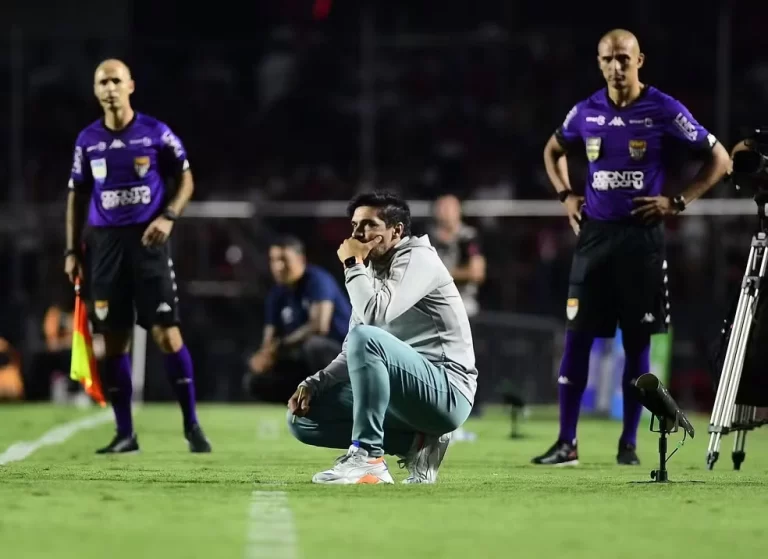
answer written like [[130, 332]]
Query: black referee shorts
[[618, 276], [127, 283]]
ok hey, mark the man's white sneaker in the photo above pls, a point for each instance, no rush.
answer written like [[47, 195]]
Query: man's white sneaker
[[424, 458], [355, 467]]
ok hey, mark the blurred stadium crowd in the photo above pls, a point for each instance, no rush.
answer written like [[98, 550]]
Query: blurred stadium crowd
[[461, 104]]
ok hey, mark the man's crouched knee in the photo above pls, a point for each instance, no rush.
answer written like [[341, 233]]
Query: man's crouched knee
[[362, 345]]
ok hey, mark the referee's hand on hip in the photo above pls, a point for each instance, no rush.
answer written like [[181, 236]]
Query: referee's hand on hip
[[650, 208]]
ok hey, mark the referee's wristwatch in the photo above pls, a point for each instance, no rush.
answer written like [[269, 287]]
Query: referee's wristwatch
[[563, 194], [678, 202], [170, 215]]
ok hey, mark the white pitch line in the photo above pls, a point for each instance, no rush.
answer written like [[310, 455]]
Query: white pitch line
[[271, 530], [21, 450], [268, 430]]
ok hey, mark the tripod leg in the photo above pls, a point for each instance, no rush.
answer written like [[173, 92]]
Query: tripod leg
[[752, 298], [719, 409], [739, 440], [746, 416], [722, 413], [738, 454]]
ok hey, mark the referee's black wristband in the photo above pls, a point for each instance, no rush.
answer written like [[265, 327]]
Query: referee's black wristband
[[71, 252], [170, 215], [679, 203], [563, 194]]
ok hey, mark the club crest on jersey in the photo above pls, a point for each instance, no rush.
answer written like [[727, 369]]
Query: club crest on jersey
[[141, 165], [99, 169], [593, 148], [101, 308], [637, 149], [572, 308]]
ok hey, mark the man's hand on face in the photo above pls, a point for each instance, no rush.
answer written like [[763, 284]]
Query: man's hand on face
[[358, 249]]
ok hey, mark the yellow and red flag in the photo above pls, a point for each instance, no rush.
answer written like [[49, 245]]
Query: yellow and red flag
[[83, 368]]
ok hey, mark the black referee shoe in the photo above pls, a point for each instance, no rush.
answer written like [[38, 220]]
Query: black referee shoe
[[121, 445], [559, 454], [627, 455], [196, 439]]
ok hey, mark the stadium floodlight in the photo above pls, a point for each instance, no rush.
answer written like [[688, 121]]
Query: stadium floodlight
[[657, 400]]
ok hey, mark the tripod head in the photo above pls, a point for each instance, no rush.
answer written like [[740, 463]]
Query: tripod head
[[750, 169]]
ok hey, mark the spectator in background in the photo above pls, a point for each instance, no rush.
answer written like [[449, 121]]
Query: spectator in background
[[11, 386], [48, 376], [307, 319], [458, 246], [55, 362]]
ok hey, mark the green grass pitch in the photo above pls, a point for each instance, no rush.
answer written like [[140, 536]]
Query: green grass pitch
[[65, 502]]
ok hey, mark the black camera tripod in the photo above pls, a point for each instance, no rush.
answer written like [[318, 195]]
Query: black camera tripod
[[727, 415]]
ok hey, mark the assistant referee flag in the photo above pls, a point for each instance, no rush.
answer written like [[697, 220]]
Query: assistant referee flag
[[83, 368]]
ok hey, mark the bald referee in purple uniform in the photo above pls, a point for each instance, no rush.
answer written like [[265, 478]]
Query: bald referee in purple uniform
[[618, 273], [119, 172]]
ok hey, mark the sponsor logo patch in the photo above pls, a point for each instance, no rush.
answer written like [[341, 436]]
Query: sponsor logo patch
[[592, 146], [99, 169]]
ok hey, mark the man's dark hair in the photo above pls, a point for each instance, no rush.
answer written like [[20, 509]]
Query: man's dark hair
[[289, 241], [392, 208]]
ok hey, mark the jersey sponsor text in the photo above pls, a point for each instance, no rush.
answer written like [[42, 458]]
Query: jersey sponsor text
[[611, 180], [111, 199]]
